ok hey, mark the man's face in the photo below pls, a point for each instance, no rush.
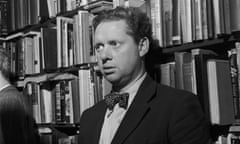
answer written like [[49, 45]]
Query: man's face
[[117, 52]]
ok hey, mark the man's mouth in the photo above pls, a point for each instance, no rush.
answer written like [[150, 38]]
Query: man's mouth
[[108, 70]]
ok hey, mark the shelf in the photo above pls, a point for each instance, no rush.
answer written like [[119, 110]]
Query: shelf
[[49, 77], [217, 43], [56, 75], [234, 128], [78, 67], [21, 31], [48, 128]]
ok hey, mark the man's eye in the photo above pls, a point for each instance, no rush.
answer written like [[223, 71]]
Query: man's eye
[[114, 43], [99, 47]]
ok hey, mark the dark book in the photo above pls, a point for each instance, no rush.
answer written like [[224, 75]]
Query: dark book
[[210, 21], [204, 19], [62, 101], [58, 103], [202, 81], [49, 48], [176, 30], [20, 58], [234, 15], [199, 62], [4, 25], [43, 10], [235, 81], [76, 101], [180, 59]]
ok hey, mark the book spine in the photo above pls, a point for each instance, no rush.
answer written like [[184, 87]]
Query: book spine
[[234, 79]]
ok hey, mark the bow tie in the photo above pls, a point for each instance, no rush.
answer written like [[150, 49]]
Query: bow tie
[[114, 98]]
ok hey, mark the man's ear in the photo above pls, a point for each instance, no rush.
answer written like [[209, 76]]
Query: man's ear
[[143, 46]]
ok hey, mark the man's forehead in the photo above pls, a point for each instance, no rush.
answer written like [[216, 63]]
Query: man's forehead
[[113, 25]]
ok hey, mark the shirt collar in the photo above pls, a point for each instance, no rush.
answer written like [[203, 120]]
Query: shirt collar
[[132, 90], [4, 87]]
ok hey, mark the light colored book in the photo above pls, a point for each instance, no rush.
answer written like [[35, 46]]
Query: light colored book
[[220, 92], [168, 74]]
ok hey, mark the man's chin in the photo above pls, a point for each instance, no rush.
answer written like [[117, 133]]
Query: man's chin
[[111, 78]]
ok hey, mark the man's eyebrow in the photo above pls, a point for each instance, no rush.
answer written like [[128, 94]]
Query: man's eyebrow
[[98, 43]]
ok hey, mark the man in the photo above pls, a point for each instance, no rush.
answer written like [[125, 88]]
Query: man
[[155, 114], [16, 122]]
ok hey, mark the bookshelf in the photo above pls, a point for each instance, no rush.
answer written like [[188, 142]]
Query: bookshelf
[[186, 32], [219, 43], [178, 28], [53, 62]]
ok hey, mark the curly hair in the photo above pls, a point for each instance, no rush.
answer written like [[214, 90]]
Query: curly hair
[[139, 25], [4, 64]]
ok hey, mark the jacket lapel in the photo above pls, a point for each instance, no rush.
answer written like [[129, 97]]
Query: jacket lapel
[[100, 114], [136, 112]]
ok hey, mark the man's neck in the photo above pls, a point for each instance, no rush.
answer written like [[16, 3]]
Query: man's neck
[[140, 74]]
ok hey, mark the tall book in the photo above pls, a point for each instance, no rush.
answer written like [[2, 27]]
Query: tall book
[[233, 58], [195, 52], [47, 103], [199, 61], [176, 25], [167, 26], [82, 37], [64, 41], [210, 21], [186, 21], [234, 15], [201, 81], [49, 48], [168, 74], [220, 92], [4, 14], [180, 59]]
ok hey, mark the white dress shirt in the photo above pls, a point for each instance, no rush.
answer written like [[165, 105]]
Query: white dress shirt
[[114, 117]]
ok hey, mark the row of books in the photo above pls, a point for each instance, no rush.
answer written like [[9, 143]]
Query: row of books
[[207, 75], [177, 22], [21, 13], [63, 101], [65, 44], [74, 39]]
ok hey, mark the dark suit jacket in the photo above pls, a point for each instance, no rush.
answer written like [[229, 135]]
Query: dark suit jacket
[[158, 115], [16, 122]]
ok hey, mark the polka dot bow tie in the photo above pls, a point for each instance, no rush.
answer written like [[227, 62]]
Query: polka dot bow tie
[[114, 98]]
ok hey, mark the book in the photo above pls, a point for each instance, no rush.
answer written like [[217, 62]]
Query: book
[[168, 74], [234, 11], [64, 41], [180, 59], [4, 25], [220, 92], [176, 30], [234, 70], [210, 22], [195, 69], [188, 80], [49, 48], [199, 61]]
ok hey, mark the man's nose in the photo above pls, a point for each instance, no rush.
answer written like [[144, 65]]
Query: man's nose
[[106, 53]]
